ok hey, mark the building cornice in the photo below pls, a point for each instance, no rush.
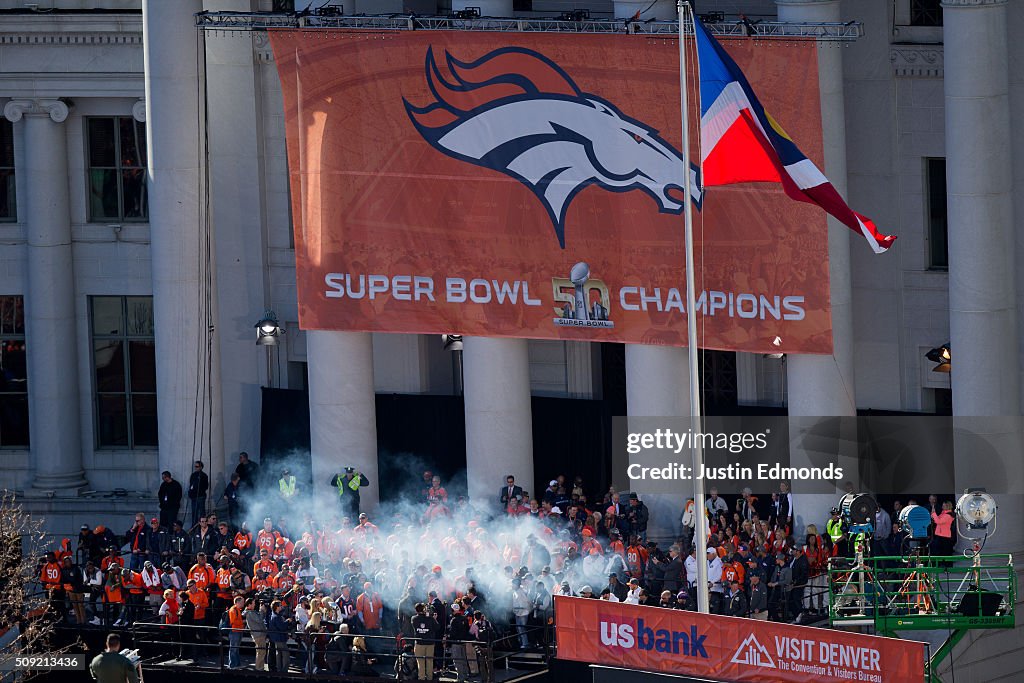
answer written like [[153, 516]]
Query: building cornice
[[98, 38], [76, 29], [972, 3], [925, 61]]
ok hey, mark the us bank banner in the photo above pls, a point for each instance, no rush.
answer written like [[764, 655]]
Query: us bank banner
[[727, 648], [531, 185]]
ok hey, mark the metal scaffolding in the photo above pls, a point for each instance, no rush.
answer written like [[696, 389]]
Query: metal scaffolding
[[759, 30]]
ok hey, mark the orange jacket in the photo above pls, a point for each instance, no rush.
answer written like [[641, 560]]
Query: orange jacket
[[733, 570], [171, 617], [368, 606], [269, 566], [282, 583], [267, 539], [224, 583], [64, 550], [108, 560], [137, 585], [199, 599], [113, 594], [243, 541], [636, 559], [50, 575], [236, 618], [203, 576]]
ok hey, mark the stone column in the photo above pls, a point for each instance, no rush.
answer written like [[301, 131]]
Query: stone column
[[499, 421], [658, 385], [50, 332], [237, 185], [824, 385], [982, 302], [979, 181], [182, 293], [342, 412]]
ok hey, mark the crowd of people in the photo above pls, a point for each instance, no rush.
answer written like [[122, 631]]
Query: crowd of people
[[448, 580]]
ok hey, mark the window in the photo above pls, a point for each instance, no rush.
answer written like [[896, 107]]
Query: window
[[14, 377], [117, 169], [926, 12], [8, 204], [124, 367], [938, 229]]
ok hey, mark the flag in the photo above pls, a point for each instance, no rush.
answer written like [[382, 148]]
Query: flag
[[742, 143]]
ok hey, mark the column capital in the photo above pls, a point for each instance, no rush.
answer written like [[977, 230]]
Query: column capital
[[55, 109], [972, 3], [139, 110]]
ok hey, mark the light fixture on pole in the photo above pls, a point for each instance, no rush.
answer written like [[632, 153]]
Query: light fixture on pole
[[976, 514], [453, 343], [268, 329], [942, 356]]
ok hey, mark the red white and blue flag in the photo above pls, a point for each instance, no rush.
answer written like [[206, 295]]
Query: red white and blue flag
[[742, 143]]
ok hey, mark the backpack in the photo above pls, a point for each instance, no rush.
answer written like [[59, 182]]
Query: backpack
[[405, 667]]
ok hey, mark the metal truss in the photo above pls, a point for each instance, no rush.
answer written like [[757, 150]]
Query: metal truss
[[241, 21]]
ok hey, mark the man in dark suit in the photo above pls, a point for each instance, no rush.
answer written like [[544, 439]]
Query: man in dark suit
[[169, 496], [509, 491], [673, 576], [198, 484], [801, 571], [785, 514]]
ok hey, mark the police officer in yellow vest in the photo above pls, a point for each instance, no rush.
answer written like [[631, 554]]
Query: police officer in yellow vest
[[286, 486], [836, 530], [347, 486]]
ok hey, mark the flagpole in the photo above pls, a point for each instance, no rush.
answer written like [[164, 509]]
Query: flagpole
[[700, 531]]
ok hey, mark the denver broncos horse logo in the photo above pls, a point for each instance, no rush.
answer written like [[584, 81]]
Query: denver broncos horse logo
[[517, 112]]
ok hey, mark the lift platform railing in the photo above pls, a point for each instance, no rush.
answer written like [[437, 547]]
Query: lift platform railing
[[923, 592]]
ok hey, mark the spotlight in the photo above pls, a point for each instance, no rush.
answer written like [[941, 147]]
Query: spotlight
[[268, 329], [858, 509], [914, 521], [576, 15], [976, 511], [776, 355], [467, 14], [452, 342], [942, 356], [712, 17]]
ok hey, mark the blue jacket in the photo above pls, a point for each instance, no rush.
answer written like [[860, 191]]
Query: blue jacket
[[279, 629]]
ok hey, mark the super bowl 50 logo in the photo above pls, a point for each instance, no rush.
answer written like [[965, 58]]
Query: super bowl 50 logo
[[585, 300]]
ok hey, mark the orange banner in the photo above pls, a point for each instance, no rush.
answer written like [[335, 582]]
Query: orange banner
[[727, 648], [531, 185]]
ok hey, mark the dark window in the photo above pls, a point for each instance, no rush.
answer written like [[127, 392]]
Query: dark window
[[14, 377], [8, 203], [117, 169], [926, 12], [124, 366], [938, 228]]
